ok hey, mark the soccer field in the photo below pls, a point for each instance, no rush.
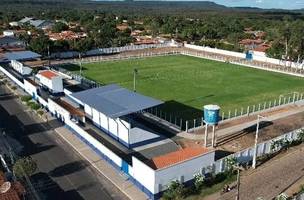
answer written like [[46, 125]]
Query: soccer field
[[186, 83]]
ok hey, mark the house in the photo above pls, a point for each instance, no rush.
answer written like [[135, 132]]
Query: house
[[22, 56], [14, 24], [41, 24], [21, 68], [8, 41], [37, 23], [51, 81], [25, 20], [9, 33]]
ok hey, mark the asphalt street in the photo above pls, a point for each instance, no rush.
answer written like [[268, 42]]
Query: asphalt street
[[62, 173]]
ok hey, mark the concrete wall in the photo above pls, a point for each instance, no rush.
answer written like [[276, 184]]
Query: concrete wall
[[144, 174], [96, 144], [19, 67], [31, 89], [4, 71], [246, 155], [257, 56], [182, 172], [58, 111]]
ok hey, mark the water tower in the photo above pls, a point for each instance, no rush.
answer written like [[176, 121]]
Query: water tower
[[211, 118]]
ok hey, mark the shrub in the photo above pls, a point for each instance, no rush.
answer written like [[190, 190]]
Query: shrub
[[40, 112], [29, 103], [26, 98], [176, 190], [198, 181], [14, 88], [35, 106], [24, 167]]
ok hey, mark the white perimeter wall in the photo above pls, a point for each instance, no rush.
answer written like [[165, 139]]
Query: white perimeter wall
[[144, 174], [55, 108], [257, 56], [4, 71], [29, 88]]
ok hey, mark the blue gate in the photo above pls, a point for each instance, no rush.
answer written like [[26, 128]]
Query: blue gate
[[125, 167]]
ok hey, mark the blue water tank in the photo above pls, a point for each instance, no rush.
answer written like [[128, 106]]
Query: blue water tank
[[211, 114]]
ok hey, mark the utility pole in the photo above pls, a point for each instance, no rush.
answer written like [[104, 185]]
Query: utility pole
[[135, 72], [256, 142], [80, 65], [49, 56], [238, 185]]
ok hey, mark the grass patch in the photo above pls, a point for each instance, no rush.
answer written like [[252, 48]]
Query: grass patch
[[187, 83], [26, 98]]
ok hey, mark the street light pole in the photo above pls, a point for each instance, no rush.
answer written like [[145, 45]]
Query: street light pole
[[238, 185], [256, 142]]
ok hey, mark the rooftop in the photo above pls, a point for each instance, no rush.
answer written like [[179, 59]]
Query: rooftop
[[176, 157], [22, 55], [115, 101], [48, 74]]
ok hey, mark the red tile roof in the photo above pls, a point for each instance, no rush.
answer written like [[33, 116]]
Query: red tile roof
[[48, 74], [176, 157]]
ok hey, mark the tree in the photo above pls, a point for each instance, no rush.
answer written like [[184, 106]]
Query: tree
[[59, 27], [24, 167], [40, 44]]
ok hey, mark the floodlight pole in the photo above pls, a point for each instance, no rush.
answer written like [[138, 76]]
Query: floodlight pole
[[80, 64], [134, 79], [256, 142]]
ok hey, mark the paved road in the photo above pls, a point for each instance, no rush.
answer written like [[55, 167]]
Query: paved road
[[61, 173], [270, 179]]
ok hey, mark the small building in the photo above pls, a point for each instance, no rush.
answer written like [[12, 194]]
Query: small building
[[21, 68], [14, 24], [50, 80], [22, 56], [9, 33], [41, 24], [9, 41]]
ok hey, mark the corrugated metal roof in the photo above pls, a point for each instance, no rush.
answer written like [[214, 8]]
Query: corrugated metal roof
[[115, 101], [8, 40], [22, 55]]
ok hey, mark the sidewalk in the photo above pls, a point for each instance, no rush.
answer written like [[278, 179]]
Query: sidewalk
[[118, 179]]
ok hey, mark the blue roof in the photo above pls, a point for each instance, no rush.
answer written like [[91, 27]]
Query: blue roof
[[115, 101], [21, 55]]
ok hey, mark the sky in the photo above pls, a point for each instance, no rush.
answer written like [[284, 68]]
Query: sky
[[284, 4]]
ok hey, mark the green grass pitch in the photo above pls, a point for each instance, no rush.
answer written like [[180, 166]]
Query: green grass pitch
[[187, 83]]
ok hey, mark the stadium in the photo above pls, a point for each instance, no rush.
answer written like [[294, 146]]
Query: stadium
[[187, 83]]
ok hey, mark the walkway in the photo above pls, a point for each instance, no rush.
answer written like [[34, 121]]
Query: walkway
[[119, 180]]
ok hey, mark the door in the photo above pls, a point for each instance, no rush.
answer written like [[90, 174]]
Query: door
[[125, 167]]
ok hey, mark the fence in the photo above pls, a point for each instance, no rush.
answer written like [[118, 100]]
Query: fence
[[246, 155], [282, 101], [112, 50], [264, 63]]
